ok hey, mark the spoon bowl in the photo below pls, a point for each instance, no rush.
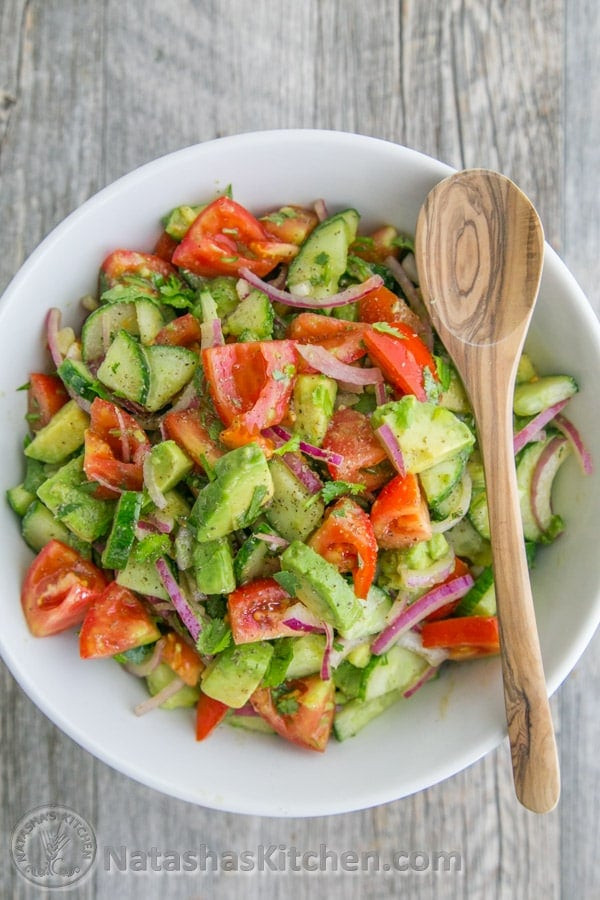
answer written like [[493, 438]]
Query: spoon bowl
[[479, 250]]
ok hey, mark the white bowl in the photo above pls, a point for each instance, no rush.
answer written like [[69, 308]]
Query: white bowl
[[417, 743]]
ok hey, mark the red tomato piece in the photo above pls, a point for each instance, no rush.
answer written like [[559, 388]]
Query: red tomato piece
[[45, 396], [465, 637], [364, 459], [346, 539], [181, 332], [344, 340], [301, 711], [400, 515], [257, 611], [129, 262], [58, 589], [116, 621], [460, 568], [224, 238], [209, 714], [185, 428], [111, 456], [251, 385], [377, 246], [183, 659], [290, 224], [382, 305], [165, 247], [402, 360]]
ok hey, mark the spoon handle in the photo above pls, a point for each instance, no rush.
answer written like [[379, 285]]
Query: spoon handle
[[533, 747]]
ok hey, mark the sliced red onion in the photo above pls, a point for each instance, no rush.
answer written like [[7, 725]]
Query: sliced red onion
[[351, 388], [273, 540], [154, 702], [380, 393], [422, 323], [546, 468], [574, 438], [326, 661], [145, 668], [211, 334], [179, 602], [462, 507], [425, 677], [299, 618], [391, 447], [246, 710], [155, 493], [125, 445], [349, 295], [184, 545], [336, 459], [320, 208], [188, 399], [303, 472], [81, 402], [243, 289], [53, 319], [530, 431], [417, 611], [412, 640], [324, 361]]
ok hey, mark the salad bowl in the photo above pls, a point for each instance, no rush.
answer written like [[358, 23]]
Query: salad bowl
[[451, 722]]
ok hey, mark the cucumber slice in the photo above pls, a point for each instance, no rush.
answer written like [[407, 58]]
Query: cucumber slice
[[539, 521], [353, 716], [322, 260], [20, 499], [254, 559], [150, 319], [480, 597], [39, 527], [395, 670], [532, 397], [439, 480], [125, 369], [307, 656], [122, 534], [290, 513], [164, 675], [102, 325], [77, 376], [170, 369], [253, 319]]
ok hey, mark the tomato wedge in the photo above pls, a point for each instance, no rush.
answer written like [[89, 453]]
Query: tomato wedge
[[225, 238], [301, 711], [251, 385], [186, 429], [165, 247], [290, 224], [403, 359], [364, 460], [116, 621], [465, 637], [120, 263], [45, 396], [115, 447], [209, 714], [344, 340], [377, 246], [346, 539], [181, 332], [257, 611], [183, 659], [58, 589], [400, 515]]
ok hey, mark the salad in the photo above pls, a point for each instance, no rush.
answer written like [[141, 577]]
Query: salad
[[252, 476]]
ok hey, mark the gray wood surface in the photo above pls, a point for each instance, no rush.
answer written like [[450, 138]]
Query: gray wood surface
[[89, 89]]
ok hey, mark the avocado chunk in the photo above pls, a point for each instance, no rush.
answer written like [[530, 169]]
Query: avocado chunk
[[168, 464], [233, 675], [323, 257], [319, 585], [242, 487], [213, 567], [426, 434], [294, 512], [142, 576], [62, 436], [312, 403], [67, 497]]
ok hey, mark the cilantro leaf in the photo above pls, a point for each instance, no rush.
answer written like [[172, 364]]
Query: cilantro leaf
[[173, 293], [151, 547], [282, 656], [214, 637], [386, 328], [290, 446], [331, 490]]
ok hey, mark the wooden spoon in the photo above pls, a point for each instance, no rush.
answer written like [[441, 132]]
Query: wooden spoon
[[479, 252]]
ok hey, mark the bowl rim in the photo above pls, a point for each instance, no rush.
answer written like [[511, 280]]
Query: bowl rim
[[151, 170]]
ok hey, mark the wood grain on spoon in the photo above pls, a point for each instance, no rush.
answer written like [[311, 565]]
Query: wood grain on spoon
[[479, 252]]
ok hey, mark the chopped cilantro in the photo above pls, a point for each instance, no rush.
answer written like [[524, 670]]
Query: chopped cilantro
[[386, 328], [214, 637], [331, 490], [322, 258], [248, 517], [288, 581], [174, 293], [151, 547], [282, 656], [285, 702], [431, 384], [444, 372], [290, 446]]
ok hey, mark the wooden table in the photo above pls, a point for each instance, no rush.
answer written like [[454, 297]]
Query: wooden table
[[88, 91]]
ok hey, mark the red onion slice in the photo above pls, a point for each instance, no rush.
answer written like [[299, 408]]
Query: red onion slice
[[573, 436], [154, 702], [417, 611], [181, 605], [336, 459], [53, 320], [412, 295], [391, 447], [551, 458], [274, 541], [530, 431], [324, 361], [299, 618], [320, 208], [326, 661], [349, 295], [425, 677]]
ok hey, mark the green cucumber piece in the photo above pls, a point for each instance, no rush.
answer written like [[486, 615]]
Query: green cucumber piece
[[125, 369], [102, 325], [19, 499], [313, 403], [77, 376], [353, 716], [395, 670], [67, 496], [307, 656], [531, 397], [170, 369], [544, 526], [39, 527], [290, 512], [253, 319], [322, 259], [480, 598], [439, 480], [254, 559], [150, 319], [164, 675], [122, 534], [250, 723]]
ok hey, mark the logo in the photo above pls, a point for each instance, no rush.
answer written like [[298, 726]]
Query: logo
[[53, 846]]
